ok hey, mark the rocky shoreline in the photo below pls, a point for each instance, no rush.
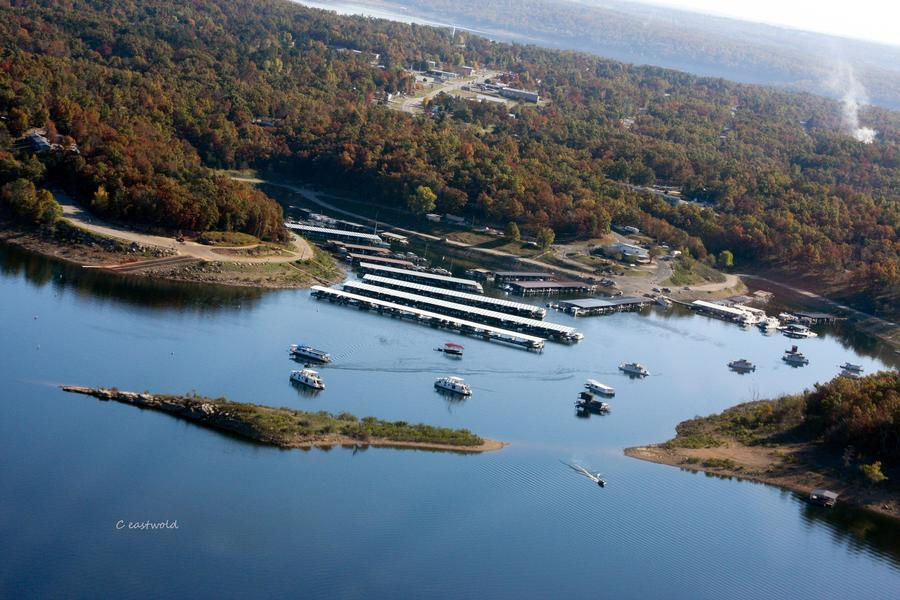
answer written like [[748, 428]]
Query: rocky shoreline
[[287, 428]]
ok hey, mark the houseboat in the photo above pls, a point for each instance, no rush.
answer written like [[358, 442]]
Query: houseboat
[[794, 357], [741, 364], [310, 353], [307, 377], [634, 369], [592, 385], [796, 330], [588, 404], [454, 385]]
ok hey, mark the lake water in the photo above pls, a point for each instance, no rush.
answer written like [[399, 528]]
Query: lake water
[[262, 522]]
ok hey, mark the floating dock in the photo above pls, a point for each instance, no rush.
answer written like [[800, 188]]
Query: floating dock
[[425, 317], [498, 304], [603, 306], [543, 288], [444, 281], [324, 233], [559, 333], [381, 260], [506, 276]]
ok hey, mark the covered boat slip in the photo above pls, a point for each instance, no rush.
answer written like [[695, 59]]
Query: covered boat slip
[[561, 333], [422, 277], [603, 306], [499, 304], [425, 317]]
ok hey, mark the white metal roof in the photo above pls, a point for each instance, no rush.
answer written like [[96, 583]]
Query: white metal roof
[[336, 232], [473, 310], [515, 335], [430, 290], [421, 274]]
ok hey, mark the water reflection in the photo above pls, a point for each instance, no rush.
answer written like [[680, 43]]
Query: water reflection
[[857, 529], [136, 291]]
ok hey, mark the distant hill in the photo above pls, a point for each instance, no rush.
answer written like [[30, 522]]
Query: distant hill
[[692, 42]]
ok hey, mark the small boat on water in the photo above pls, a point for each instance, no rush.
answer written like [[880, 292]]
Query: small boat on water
[[852, 368], [769, 324], [451, 349], [796, 330], [307, 377], [453, 384], [595, 386], [634, 369], [587, 403], [742, 364], [663, 301], [309, 352], [794, 357]]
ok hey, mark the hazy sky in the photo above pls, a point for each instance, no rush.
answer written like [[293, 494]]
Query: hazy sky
[[874, 20]]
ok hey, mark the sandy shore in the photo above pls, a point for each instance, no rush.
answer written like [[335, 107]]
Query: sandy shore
[[786, 466]]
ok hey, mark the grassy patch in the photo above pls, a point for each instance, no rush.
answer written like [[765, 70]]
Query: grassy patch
[[287, 426], [687, 271], [227, 238]]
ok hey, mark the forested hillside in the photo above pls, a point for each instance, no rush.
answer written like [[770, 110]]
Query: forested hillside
[[155, 93]]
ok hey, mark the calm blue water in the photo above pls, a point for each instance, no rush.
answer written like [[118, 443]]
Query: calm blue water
[[261, 522]]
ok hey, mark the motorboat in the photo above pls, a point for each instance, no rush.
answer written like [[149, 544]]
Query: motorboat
[[307, 377], [852, 368], [595, 386], [663, 301], [454, 385], [634, 369], [309, 352], [794, 357], [592, 405], [742, 364], [769, 324], [451, 349], [796, 330]]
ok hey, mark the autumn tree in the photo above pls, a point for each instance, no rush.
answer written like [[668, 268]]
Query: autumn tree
[[512, 232], [422, 200]]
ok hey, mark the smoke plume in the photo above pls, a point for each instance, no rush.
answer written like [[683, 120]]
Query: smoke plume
[[854, 94]]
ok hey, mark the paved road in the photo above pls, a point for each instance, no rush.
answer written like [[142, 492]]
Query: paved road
[[85, 220], [413, 104]]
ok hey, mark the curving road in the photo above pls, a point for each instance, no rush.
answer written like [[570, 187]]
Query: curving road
[[78, 216]]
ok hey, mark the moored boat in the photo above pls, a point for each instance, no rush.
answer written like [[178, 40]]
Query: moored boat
[[852, 367], [307, 377], [309, 352], [587, 403], [796, 330], [598, 388], [634, 369], [742, 364], [454, 385], [451, 349], [794, 357]]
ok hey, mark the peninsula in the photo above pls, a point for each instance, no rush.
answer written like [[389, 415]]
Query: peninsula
[[288, 428], [842, 436]]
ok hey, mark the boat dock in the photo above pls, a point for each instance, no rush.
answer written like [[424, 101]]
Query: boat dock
[[603, 306], [507, 276], [432, 319], [498, 304], [324, 233], [422, 277], [554, 331], [385, 260], [543, 288]]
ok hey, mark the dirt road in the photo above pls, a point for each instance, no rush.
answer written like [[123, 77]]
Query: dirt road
[[77, 216]]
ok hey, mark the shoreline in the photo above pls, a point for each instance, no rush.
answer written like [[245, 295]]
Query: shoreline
[[285, 428], [91, 251], [769, 465]]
